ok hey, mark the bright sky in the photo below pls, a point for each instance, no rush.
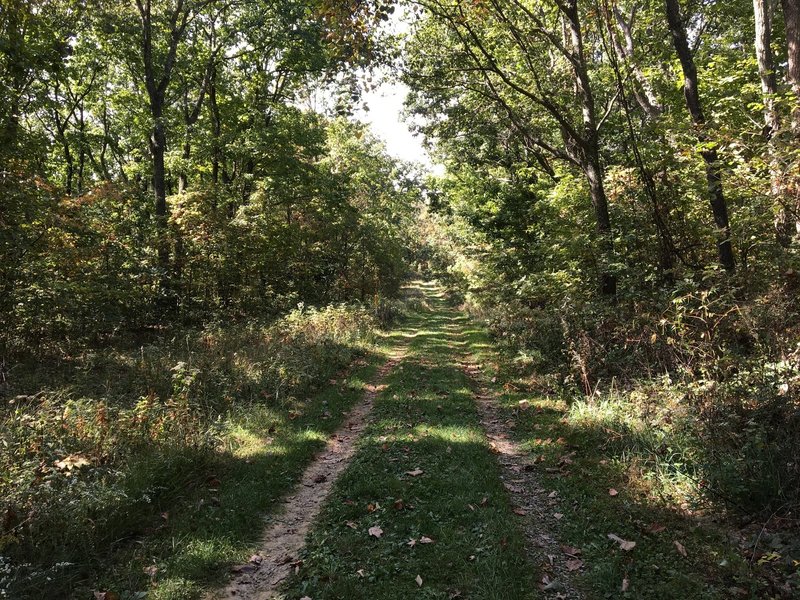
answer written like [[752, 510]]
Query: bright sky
[[385, 113], [386, 121]]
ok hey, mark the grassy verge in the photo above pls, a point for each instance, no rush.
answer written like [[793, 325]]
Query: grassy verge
[[595, 458], [149, 470], [424, 476]]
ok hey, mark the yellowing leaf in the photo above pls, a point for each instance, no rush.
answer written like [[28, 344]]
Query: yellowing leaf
[[73, 461]]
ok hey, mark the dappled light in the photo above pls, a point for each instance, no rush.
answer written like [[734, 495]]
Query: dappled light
[[249, 349]]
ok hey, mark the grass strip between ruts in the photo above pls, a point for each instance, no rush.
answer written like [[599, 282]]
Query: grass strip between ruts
[[421, 511]]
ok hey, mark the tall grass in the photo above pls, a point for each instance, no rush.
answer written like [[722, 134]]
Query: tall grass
[[97, 447]]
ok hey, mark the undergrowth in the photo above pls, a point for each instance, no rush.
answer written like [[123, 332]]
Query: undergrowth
[[109, 450]]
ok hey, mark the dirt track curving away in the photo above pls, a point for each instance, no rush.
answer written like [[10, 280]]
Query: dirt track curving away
[[283, 540]]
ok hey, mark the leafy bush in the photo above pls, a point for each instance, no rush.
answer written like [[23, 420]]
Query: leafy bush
[[91, 452]]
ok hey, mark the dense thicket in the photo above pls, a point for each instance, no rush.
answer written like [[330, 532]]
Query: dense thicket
[[161, 162], [622, 197]]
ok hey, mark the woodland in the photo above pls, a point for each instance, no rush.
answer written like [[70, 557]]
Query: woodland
[[205, 258]]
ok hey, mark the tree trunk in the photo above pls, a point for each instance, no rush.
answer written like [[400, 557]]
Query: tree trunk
[[646, 98], [216, 127], [158, 143], [766, 66], [590, 153], [719, 207], [763, 12], [791, 14], [183, 178]]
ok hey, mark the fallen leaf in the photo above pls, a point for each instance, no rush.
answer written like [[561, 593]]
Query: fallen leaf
[[419, 580], [570, 550], [625, 585], [425, 540], [411, 543], [360, 572], [306, 598], [351, 525], [376, 531], [613, 492], [680, 548], [574, 564], [74, 461], [558, 516], [398, 504], [415, 473], [524, 404], [624, 544], [655, 528], [520, 511]]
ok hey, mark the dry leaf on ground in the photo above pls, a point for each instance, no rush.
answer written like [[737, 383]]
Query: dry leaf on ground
[[376, 531], [624, 544], [574, 564]]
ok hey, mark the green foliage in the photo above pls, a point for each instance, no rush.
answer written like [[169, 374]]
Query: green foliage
[[516, 231], [115, 437]]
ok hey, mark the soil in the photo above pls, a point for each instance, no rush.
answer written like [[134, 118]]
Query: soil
[[282, 541], [532, 501]]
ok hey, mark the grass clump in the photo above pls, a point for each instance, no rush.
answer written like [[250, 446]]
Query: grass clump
[[148, 468]]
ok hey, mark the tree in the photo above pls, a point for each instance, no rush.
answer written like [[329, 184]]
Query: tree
[[708, 149], [506, 46]]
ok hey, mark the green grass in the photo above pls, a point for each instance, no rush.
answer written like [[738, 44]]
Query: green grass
[[607, 448], [179, 482], [425, 419]]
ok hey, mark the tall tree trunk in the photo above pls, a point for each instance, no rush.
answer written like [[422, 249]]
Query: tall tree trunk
[[82, 147], [590, 152], [791, 14], [216, 127], [719, 206], [763, 12], [644, 94], [158, 145]]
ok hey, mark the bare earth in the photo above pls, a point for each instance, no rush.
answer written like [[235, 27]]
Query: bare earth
[[284, 538], [535, 504]]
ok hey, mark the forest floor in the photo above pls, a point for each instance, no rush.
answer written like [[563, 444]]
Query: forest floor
[[453, 480]]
